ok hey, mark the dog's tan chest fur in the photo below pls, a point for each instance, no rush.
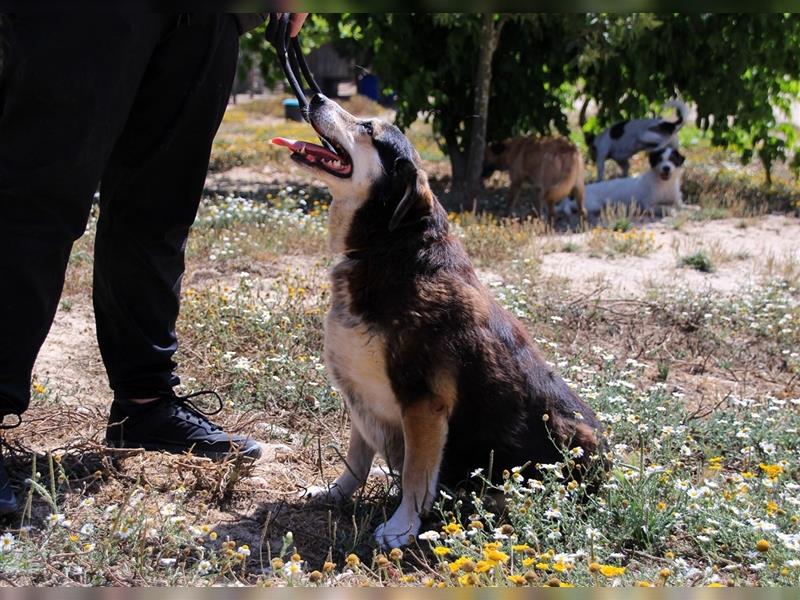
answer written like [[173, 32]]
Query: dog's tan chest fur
[[356, 361]]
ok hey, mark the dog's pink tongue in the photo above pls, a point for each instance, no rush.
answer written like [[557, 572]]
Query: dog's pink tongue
[[293, 145]]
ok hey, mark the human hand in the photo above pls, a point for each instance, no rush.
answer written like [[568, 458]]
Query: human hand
[[296, 21]]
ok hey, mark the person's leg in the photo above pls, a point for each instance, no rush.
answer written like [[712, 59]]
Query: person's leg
[[66, 86], [149, 197]]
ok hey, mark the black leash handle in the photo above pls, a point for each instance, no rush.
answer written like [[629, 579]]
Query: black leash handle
[[292, 62]]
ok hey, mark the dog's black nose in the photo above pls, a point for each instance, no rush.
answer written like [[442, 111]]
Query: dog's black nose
[[318, 100]]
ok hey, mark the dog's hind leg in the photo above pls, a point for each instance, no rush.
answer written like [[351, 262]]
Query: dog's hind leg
[[578, 193], [425, 432], [550, 198], [513, 194], [357, 465], [601, 167], [625, 165]]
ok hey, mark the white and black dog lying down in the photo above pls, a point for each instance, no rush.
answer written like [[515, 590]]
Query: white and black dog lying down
[[626, 138], [653, 192], [436, 375]]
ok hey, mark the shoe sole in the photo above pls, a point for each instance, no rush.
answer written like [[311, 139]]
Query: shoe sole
[[252, 456]]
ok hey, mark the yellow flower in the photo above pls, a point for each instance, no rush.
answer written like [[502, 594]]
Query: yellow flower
[[762, 545], [644, 584], [559, 567], [542, 566], [527, 562], [661, 506], [772, 508], [462, 564], [38, 388], [715, 584], [441, 551], [520, 547], [353, 561], [468, 580], [495, 556], [594, 567], [665, 572], [396, 554], [452, 528], [771, 471], [611, 571], [482, 566], [328, 566], [517, 579]]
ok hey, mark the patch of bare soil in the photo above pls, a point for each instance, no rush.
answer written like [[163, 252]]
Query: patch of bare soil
[[742, 252], [69, 360]]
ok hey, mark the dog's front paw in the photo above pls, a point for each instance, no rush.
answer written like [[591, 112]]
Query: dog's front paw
[[397, 531], [322, 493]]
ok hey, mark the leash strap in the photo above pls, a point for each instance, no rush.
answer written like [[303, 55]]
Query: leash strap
[[292, 62]]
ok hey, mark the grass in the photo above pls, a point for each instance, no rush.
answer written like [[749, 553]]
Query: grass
[[697, 391], [620, 242], [699, 261]]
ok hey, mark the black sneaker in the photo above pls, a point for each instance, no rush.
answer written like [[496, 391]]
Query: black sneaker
[[175, 424], [8, 501]]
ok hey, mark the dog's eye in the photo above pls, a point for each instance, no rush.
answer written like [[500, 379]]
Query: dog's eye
[[367, 126]]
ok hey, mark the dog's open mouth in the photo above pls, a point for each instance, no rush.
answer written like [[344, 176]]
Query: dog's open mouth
[[336, 163], [665, 176]]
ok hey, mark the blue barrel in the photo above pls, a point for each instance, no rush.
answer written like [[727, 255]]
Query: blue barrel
[[291, 109], [369, 86]]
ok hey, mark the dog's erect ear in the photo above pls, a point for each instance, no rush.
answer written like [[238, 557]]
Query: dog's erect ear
[[415, 190], [677, 158]]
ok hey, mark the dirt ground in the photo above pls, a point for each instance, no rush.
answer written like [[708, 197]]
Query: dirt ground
[[745, 251]]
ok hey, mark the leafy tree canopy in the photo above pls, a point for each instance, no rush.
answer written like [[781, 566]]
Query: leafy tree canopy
[[741, 71]]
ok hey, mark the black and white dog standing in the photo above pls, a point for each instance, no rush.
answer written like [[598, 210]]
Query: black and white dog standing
[[626, 138]]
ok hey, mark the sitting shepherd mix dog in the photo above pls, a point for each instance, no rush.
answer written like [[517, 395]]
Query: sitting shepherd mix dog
[[552, 165], [436, 375]]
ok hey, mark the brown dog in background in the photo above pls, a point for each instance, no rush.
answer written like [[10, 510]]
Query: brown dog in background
[[552, 165]]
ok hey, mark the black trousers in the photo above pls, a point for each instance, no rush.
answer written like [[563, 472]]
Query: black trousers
[[131, 101]]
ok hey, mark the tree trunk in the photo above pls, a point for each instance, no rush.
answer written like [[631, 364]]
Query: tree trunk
[[490, 34], [458, 162]]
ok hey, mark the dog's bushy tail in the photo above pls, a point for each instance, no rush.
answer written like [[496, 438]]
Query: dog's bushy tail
[[682, 110]]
